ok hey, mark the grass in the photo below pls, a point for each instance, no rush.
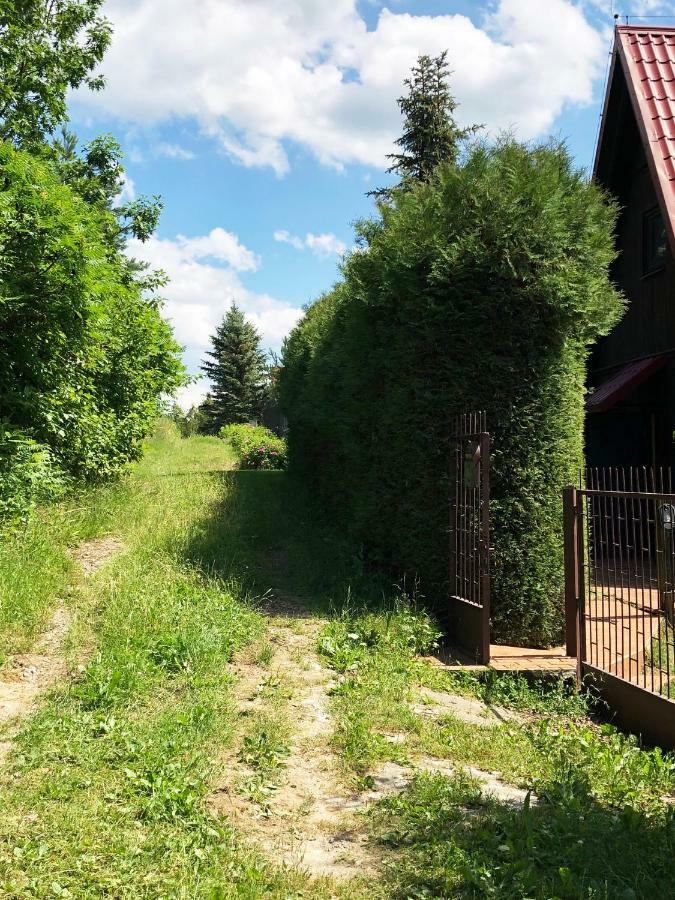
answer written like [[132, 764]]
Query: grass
[[105, 792], [601, 829]]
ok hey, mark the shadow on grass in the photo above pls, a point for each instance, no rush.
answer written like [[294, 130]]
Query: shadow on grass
[[451, 842], [264, 534]]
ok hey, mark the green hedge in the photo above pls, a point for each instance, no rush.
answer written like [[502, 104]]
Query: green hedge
[[482, 290], [256, 447]]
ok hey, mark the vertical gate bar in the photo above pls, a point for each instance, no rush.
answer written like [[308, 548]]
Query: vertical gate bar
[[475, 531], [465, 426], [632, 638], [604, 550], [632, 606], [593, 550], [451, 517], [570, 524], [641, 507], [581, 524], [618, 596], [661, 597], [625, 606], [636, 577], [648, 501], [485, 541]]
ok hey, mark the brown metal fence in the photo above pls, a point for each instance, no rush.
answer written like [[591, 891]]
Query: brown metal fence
[[469, 607], [620, 584]]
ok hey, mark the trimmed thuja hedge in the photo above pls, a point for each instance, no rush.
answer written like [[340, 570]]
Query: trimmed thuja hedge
[[481, 290]]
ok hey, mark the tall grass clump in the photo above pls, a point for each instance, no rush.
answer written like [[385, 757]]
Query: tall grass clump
[[483, 289]]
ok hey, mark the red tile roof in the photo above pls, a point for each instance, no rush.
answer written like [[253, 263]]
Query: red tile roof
[[648, 58]]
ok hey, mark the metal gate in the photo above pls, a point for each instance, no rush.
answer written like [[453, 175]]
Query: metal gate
[[469, 604], [619, 591]]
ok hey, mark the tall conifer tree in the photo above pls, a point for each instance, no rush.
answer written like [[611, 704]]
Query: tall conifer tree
[[237, 371], [430, 133]]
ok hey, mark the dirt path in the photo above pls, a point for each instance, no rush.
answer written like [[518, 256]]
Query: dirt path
[[307, 816], [25, 677], [309, 819]]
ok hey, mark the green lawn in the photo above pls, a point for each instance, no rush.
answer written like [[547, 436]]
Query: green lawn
[[104, 793]]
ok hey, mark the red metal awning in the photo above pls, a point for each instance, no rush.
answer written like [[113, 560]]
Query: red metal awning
[[621, 385]]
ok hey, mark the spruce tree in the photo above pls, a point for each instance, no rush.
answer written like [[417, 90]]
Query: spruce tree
[[430, 133], [237, 371]]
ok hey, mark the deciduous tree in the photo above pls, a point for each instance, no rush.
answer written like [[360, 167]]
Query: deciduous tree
[[47, 47]]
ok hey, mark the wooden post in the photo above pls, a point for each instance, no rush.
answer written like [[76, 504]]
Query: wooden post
[[571, 547]]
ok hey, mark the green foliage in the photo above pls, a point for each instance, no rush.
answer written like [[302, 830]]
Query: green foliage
[[97, 175], [375, 653], [256, 446], [451, 841], [348, 640], [47, 47], [27, 476], [237, 371], [188, 423], [84, 351], [480, 290], [430, 134], [547, 695], [263, 751]]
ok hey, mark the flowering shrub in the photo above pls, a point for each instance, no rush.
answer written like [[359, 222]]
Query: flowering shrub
[[269, 455], [242, 437], [256, 447]]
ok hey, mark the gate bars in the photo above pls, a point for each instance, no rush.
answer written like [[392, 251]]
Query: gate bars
[[469, 603], [620, 590]]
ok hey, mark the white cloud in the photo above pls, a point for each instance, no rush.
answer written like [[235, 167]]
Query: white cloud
[[201, 289], [285, 237], [322, 245], [128, 189], [173, 151], [191, 394], [325, 245], [218, 244], [256, 74]]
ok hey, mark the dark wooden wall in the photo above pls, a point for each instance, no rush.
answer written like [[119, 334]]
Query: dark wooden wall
[[648, 326], [639, 430]]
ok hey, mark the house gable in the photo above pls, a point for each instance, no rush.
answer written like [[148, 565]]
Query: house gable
[[642, 78]]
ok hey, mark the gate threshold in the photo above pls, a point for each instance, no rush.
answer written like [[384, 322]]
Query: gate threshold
[[526, 660]]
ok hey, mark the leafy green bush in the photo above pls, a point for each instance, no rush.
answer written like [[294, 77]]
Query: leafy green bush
[[84, 351], [481, 290], [28, 475], [256, 447]]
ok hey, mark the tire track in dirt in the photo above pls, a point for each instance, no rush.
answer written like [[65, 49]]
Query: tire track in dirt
[[25, 677], [309, 819]]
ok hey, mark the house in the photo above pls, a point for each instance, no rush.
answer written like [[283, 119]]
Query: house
[[631, 378]]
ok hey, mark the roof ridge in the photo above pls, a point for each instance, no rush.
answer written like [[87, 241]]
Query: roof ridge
[[651, 29]]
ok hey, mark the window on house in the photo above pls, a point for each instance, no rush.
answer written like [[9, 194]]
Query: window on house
[[653, 242]]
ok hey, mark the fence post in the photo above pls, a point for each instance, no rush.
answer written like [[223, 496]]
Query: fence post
[[571, 548]]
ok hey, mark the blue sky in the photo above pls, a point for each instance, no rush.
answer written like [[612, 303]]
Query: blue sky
[[263, 123]]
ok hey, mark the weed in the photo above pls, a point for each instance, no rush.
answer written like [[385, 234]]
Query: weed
[[265, 655], [263, 751]]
